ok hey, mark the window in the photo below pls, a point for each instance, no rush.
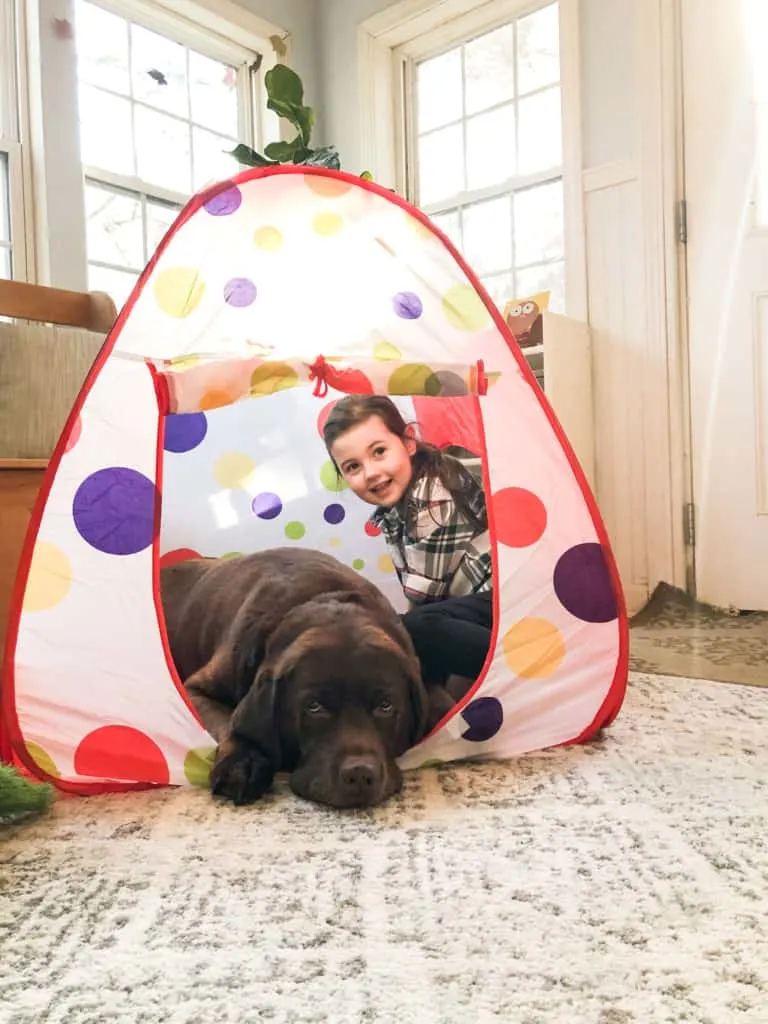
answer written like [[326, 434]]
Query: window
[[12, 247], [158, 112], [485, 152]]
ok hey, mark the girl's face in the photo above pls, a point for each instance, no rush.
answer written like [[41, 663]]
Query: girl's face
[[375, 462]]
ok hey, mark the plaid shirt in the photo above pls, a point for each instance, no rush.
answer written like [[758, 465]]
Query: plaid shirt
[[444, 555]]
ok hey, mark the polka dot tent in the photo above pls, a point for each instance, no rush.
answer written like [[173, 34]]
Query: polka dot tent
[[220, 309], [114, 510], [117, 751], [185, 431]]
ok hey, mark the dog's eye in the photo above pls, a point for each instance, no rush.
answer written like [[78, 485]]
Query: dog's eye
[[384, 707], [314, 707]]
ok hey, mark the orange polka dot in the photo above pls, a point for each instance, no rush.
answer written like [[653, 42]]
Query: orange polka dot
[[216, 398], [120, 752], [533, 648], [323, 185]]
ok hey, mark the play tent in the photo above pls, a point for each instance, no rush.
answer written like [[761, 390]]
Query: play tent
[[198, 431]]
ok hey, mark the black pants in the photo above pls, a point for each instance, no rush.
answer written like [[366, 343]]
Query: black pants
[[451, 637]]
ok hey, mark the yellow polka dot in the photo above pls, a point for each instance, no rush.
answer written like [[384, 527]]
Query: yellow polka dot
[[271, 377], [533, 648], [464, 308], [335, 542], [234, 470], [386, 564], [422, 230], [385, 351], [42, 759], [178, 291], [184, 362], [269, 239], [327, 224], [323, 186], [198, 764], [410, 379], [50, 577]]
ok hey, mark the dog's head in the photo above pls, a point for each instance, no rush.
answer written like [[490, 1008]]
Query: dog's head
[[337, 698]]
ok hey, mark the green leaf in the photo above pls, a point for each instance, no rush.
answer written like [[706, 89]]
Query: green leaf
[[283, 152], [284, 86], [249, 157], [326, 156], [366, 176]]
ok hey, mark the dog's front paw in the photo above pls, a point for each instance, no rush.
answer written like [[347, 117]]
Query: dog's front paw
[[241, 773]]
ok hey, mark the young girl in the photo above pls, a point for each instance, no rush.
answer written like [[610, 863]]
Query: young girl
[[434, 520]]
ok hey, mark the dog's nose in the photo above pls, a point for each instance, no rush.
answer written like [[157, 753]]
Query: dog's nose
[[359, 776]]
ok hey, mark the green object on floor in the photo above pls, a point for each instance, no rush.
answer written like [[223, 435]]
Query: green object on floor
[[19, 797]]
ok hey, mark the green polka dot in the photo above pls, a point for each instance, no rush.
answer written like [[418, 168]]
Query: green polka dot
[[358, 564], [295, 531], [233, 554], [464, 309], [411, 379], [198, 764], [330, 479]]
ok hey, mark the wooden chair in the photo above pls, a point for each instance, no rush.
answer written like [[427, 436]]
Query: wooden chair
[[20, 479]]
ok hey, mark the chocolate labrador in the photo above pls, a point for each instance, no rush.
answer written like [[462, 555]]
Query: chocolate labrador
[[294, 662]]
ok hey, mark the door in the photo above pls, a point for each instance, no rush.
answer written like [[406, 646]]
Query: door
[[725, 98]]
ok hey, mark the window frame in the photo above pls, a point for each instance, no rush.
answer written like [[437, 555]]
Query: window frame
[[390, 42], [10, 135]]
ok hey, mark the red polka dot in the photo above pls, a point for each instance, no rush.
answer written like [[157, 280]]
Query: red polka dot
[[372, 530], [322, 419], [74, 437], [520, 517], [178, 555], [119, 752]]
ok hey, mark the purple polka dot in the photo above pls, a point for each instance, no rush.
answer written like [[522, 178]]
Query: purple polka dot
[[224, 202], [484, 717], [239, 291], [334, 514], [114, 510], [267, 505], [184, 431], [408, 305], [583, 584]]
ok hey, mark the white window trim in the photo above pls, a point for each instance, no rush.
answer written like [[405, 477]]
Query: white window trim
[[10, 137], [387, 39]]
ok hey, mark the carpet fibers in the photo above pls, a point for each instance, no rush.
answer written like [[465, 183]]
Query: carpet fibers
[[625, 882]]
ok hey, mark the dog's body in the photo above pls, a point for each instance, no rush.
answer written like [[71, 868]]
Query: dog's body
[[295, 662]]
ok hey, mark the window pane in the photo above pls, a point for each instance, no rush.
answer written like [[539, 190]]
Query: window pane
[[491, 147], [105, 131], [439, 90], [5, 263], [539, 224], [114, 227], [160, 217], [5, 197], [441, 165], [500, 287], [544, 278], [213, 92], [488, 235], [162, 150], [115, 283], [538, 49], [102, 48], [211, 160], [489, 69], [450, 225], [540, 132], [159, 71]]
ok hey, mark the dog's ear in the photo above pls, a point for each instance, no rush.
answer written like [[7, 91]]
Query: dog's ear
[[420, 708], [256, 720]]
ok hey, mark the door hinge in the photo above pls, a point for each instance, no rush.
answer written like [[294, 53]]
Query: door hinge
[[689, 524], [682, 221]]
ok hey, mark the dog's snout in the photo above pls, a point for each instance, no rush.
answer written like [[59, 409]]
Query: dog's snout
[[360, 776]]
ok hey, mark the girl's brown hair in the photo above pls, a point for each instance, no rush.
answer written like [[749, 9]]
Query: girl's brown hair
[[428, 460]]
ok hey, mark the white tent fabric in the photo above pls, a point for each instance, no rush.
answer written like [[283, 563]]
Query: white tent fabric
[[197, 431]]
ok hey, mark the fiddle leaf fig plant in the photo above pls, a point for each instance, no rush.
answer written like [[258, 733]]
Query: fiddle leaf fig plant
[[286, 98]]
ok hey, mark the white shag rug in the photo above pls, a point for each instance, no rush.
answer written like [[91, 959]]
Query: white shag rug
[[620, 883]]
